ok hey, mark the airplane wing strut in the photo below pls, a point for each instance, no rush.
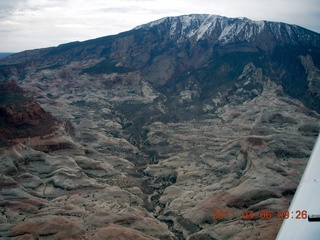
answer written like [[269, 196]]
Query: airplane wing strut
[[304, 210]]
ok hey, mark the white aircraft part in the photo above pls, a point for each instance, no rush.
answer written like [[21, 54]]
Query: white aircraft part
[[305, 204]]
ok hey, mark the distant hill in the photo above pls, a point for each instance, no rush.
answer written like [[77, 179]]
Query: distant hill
[[5, 54]]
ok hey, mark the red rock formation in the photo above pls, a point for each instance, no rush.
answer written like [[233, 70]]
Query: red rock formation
[[21, 117], [60, 226], [11, 86], [113, 231], [22, 113]]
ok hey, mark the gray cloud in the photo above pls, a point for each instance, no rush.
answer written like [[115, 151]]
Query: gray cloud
[[8, 7], [120, 10]]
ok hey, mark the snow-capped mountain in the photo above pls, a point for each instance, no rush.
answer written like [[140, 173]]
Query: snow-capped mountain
[[196, 38], [228, 30], [166, 49]]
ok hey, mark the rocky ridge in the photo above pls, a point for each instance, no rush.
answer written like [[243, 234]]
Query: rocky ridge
[[154, 133], [20, 116], [230, 30]]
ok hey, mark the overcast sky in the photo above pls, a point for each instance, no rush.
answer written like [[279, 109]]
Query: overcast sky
[[30, 24]]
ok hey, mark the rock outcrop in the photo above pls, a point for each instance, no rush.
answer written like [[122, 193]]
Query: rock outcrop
[[20, 116], [144, 135]]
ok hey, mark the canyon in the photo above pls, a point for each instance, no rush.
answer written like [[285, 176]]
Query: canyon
[[146, 134]]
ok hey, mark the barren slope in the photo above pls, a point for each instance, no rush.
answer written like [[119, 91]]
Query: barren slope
[[156, 131]]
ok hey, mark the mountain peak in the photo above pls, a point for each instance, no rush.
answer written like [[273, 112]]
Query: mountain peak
[[229, 30]]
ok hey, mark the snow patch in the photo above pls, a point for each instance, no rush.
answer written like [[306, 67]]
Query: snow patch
[[225, 30]]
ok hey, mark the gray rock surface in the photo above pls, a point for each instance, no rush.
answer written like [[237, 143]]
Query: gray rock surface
[[147, 143]]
